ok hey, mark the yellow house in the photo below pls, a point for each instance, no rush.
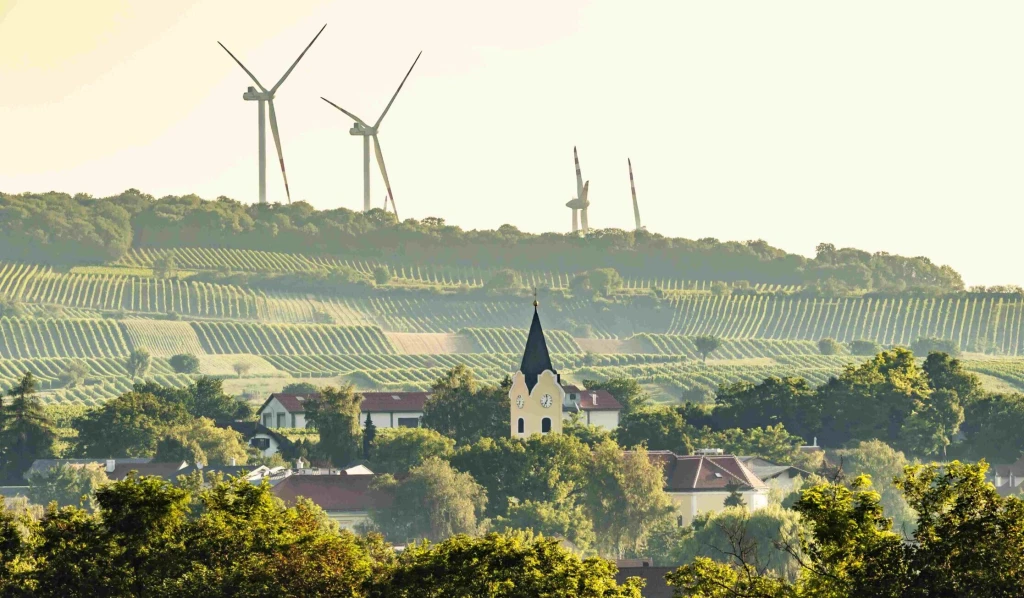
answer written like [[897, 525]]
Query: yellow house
[[701, 483]]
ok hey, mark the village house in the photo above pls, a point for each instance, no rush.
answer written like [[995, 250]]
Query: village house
[[115, 469], [258, 436], [783, 477], [345, 497], [701, 483], [1006, 478]]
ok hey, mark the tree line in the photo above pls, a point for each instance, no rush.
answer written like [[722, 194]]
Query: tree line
[[50, 227]]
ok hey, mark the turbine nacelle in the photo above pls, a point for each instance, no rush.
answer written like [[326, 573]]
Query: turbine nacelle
[[253, 94], [361, 129]]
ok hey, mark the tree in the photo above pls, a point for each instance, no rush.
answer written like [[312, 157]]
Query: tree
[[565, 519], [67, 485], [926, 345], [138, 363], [865, 347], [335, 415], [369, 435], [829, 346], [130, 425], [200, 441], [184, 363], [735, 499], [600, 282], [464, 410], [165, 267], [772, 443], [397, 450], [931, 427], [946, 373], [300, 388], [203, 397], [788, 401], [75, 373], [509, 565], [883, 465], [241, 368], [381, 275], [504, 281], [627, 391], [433, 502], [660, 428], [28, 433], [992, 426], [625, 498], [873, 399], [706, 345]]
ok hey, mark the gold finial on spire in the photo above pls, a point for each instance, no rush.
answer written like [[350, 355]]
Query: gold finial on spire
[[536, 303]]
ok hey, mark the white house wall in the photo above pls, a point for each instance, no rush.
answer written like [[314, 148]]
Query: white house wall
[[388, 419], [608, 420]]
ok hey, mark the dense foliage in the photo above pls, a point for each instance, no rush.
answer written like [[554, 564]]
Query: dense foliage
[[58, 228]]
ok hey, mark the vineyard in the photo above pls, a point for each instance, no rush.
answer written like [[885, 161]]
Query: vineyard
[[290, 339], [31, 338], [512, 340]]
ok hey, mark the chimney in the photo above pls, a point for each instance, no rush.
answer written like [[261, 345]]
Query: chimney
[[298, 463], [232, 461], [111, 464], [815, 441], [593, 397], [199, 466]]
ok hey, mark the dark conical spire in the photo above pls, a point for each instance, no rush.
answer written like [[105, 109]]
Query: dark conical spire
[[535, 357]]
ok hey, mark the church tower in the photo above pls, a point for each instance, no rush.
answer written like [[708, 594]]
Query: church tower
[[536, 395]]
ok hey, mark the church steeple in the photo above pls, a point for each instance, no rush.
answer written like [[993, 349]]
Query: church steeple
[[535, 357]]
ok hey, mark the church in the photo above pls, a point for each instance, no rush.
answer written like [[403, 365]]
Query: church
[[538, 400]]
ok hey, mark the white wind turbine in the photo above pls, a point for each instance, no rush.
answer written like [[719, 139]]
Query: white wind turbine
[[367, 132], [579, 203], [265, 96], [632, 188]]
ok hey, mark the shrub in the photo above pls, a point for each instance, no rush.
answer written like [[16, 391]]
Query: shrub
[[925, 345], [865, 347], [381, 275], [829, 346], [185, 363]]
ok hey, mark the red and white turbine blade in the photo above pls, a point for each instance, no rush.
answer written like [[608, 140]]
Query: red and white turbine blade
[[277, 144], [632, 188], [377, 124], [347, 113], [251, 76], [289, 71], [579, 176]]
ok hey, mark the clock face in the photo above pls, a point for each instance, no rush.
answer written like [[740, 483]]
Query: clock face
[[520, 402], [545, 401]]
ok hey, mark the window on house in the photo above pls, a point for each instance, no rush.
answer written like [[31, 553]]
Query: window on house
[[293, 421], [679, 521], [545, 425], [260, 443], [268, 419], [408, 422], [280, 420], [521, 426]]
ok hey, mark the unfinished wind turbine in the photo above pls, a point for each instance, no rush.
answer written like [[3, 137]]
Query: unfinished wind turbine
[[361, 128], [579, 203], [265, 96], [632, 187]]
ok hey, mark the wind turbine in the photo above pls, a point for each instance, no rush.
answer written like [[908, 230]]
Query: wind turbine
[[579, 203], [632, 187], [265, 96], [361, 128]]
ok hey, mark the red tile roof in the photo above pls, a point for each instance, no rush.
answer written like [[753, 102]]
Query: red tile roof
[[376, 402], [684, 473], [330, 492], [598, 400]]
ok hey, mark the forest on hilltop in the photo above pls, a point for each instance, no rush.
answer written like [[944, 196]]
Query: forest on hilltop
[[65, 230]]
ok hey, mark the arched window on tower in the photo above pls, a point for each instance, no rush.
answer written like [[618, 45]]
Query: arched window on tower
[[522, 426], [545, 425]]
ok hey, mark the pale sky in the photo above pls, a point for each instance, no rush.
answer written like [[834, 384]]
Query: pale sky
[[884, 125]]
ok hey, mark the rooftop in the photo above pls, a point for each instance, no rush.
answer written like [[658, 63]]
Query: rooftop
[[689, 473]]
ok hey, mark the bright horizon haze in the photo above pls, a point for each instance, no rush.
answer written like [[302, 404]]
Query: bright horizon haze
[[886, 126]]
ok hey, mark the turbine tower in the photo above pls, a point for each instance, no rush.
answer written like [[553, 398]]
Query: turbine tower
[[264, 97], [366, 131], [579, 203], [632, 187]]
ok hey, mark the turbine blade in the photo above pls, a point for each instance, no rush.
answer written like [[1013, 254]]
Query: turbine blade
[[289, 71], [347, 113], [584, 222], [383, 114], [579, 177], [632, 188], [393, 208], [383, 171], [251, 76], [277, 143]]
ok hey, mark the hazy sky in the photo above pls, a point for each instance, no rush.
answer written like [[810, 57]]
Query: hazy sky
[[885, 125]]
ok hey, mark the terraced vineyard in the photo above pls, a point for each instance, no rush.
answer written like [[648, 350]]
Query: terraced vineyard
[[33, 338], [162, 338], [974, 323], [730, 349], [290, 339], [511, 340]]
